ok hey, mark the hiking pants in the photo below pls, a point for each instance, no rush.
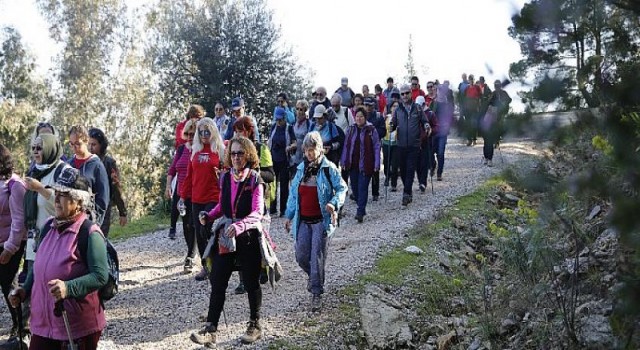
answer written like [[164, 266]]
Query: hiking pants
[[8, 273], [202, 233], [249, 257], [282, 177], [407, 158], [390, 165], [311, 253], [187, 224], [106, 221], [375, 184], [439, 145], [89, 342], [360, 189], [490, 138], [425, 162]]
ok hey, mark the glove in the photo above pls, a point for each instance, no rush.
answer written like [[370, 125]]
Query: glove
[[203, 216]]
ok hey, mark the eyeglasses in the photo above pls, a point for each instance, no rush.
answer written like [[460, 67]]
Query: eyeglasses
[[219, 109], [301, 109], [405, 93], [36, 148], [237, 154], [280, 101], [414, 84], [204, 133], [429, 86]]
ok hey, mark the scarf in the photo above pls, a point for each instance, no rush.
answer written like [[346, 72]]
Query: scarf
[[311, 168], [51, 153]]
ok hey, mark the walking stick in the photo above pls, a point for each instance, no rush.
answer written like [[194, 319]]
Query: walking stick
[[388, 170], [20, 327], [60, 311]]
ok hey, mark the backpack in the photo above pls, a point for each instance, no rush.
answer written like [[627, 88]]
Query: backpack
[[327, 174], [110, 289]]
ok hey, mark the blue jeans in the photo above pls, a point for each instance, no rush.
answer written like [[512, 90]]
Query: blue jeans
[[311, 253], [360, 189], [406, 160], [439, 145]]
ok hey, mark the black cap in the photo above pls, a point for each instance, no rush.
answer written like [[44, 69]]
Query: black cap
[[69, 180]]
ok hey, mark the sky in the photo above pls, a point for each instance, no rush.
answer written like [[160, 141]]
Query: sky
[[364, 40]]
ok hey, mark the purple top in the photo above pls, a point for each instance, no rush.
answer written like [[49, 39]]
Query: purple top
[[12, 229], [180, 166], [250, 221], [350, 142]]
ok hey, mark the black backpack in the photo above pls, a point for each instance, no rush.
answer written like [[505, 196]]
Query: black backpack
[[110, 289]]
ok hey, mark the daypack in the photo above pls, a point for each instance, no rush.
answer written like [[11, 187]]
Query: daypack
[[327, 174], [110, 289]]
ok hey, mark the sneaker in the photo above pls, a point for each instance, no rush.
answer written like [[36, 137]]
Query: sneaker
[[240, 289], [375, 198], [253, 332], [489, 163], [316, 302], [13, 343], [172, 234], [423, 188], [188, 265], [394, 189], [439, 178], [206, 336], [469, 143], [484, 161], [359, 218], [474, 142], [405, 201], [202, 275], [352, 197]]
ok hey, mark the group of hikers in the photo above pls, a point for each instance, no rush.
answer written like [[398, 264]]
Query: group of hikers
[[225, 182]]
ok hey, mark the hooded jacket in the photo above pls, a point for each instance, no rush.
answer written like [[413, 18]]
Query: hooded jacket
[[408, 123], [96, 174]]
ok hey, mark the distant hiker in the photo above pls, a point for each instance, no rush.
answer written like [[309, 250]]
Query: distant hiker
[[492, 120], [345, 92], [98, 144], [317, 192], [238, 111], [196, 112], [178, 169]]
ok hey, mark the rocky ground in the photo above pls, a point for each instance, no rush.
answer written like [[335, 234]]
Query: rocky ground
[[159, 306]]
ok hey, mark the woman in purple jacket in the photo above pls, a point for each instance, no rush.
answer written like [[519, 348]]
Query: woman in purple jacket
[[12, 230], [61, 278], [361, 157]]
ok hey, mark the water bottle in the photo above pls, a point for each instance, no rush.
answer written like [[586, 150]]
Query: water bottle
[[182, 209]]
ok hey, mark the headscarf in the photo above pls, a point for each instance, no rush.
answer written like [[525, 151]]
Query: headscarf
[[51, 153]]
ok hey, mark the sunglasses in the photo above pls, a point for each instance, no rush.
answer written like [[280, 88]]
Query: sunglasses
[[237, 154], [280, 101], [405, 93], [219, 109], [414, 84], [36, 148], [430, 87], [204, 133], [301, 109]]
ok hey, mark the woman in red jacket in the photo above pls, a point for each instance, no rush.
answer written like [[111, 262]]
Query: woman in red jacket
[[201, 183]]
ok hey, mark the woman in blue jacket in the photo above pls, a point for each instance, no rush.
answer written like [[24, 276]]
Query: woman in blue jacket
[[317, 192]]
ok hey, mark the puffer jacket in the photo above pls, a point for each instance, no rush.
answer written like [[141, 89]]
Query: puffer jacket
[[408, 124]]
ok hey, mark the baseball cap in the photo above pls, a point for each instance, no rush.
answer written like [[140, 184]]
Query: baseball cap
[[370, 101], [405, 88], [237, 103], [70, 180], [420, 100], [319, 111], [279, 113], [344, 81]]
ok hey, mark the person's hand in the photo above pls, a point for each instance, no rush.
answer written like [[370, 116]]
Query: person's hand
[[123, 220], [287, 225], [216, 171], [167, 192], [33, 184], [16, 297], [5, 256], [334, 215], [203, 216], [231, 231], [57, 289]]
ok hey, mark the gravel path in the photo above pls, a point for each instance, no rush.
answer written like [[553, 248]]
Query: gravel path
[[158, 306]]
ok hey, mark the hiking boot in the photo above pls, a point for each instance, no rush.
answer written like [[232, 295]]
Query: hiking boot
[[188, 265], [394, 189], [439, 178], [386, 182], [406, 200], [352, 197], [202, 275], [423, 188], [240, 289], [359, 218], [253, 332], [469, 143], [316, 303], [489, 163], [172, 233], [375, 198], [206, 336]]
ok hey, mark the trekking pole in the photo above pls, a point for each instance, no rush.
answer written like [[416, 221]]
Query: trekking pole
[[60, 311], [20, 327], [388, 172], [224, 316], [500, 151]]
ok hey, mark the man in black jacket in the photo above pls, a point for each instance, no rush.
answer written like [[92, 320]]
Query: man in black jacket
[[374, 117]]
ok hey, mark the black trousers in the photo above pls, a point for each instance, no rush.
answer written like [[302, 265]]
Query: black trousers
[[8, 278], [249, 257], [202, 233], [282, 178], [187, 224]]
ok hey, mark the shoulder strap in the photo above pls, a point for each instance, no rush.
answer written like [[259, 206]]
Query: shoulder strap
[[327, 174], [10, 184], [83, 239]]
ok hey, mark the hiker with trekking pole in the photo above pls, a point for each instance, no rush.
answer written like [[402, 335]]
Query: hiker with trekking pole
[[491, 123], [388, 150], [62, 279]]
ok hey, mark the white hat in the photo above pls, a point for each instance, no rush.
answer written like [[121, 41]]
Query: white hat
[[420, 100], [319, 111]]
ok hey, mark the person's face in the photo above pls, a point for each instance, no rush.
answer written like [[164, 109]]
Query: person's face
[[205, 135], [414, 84], [311, 153], [320, 121], [45, 130], [190, 134], [357, 101], [390, 85], [238, 156], [365, 90], [335, 104], [394, 106], [320, 95], [369, 108], [65, 206], [219, 110], [94, 146], [497, 87], [361, 119], [238, 113], [300, 111], [242, 132], [430, 89], [36, 150], [281, 102], [79, 146], [405, 96]]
